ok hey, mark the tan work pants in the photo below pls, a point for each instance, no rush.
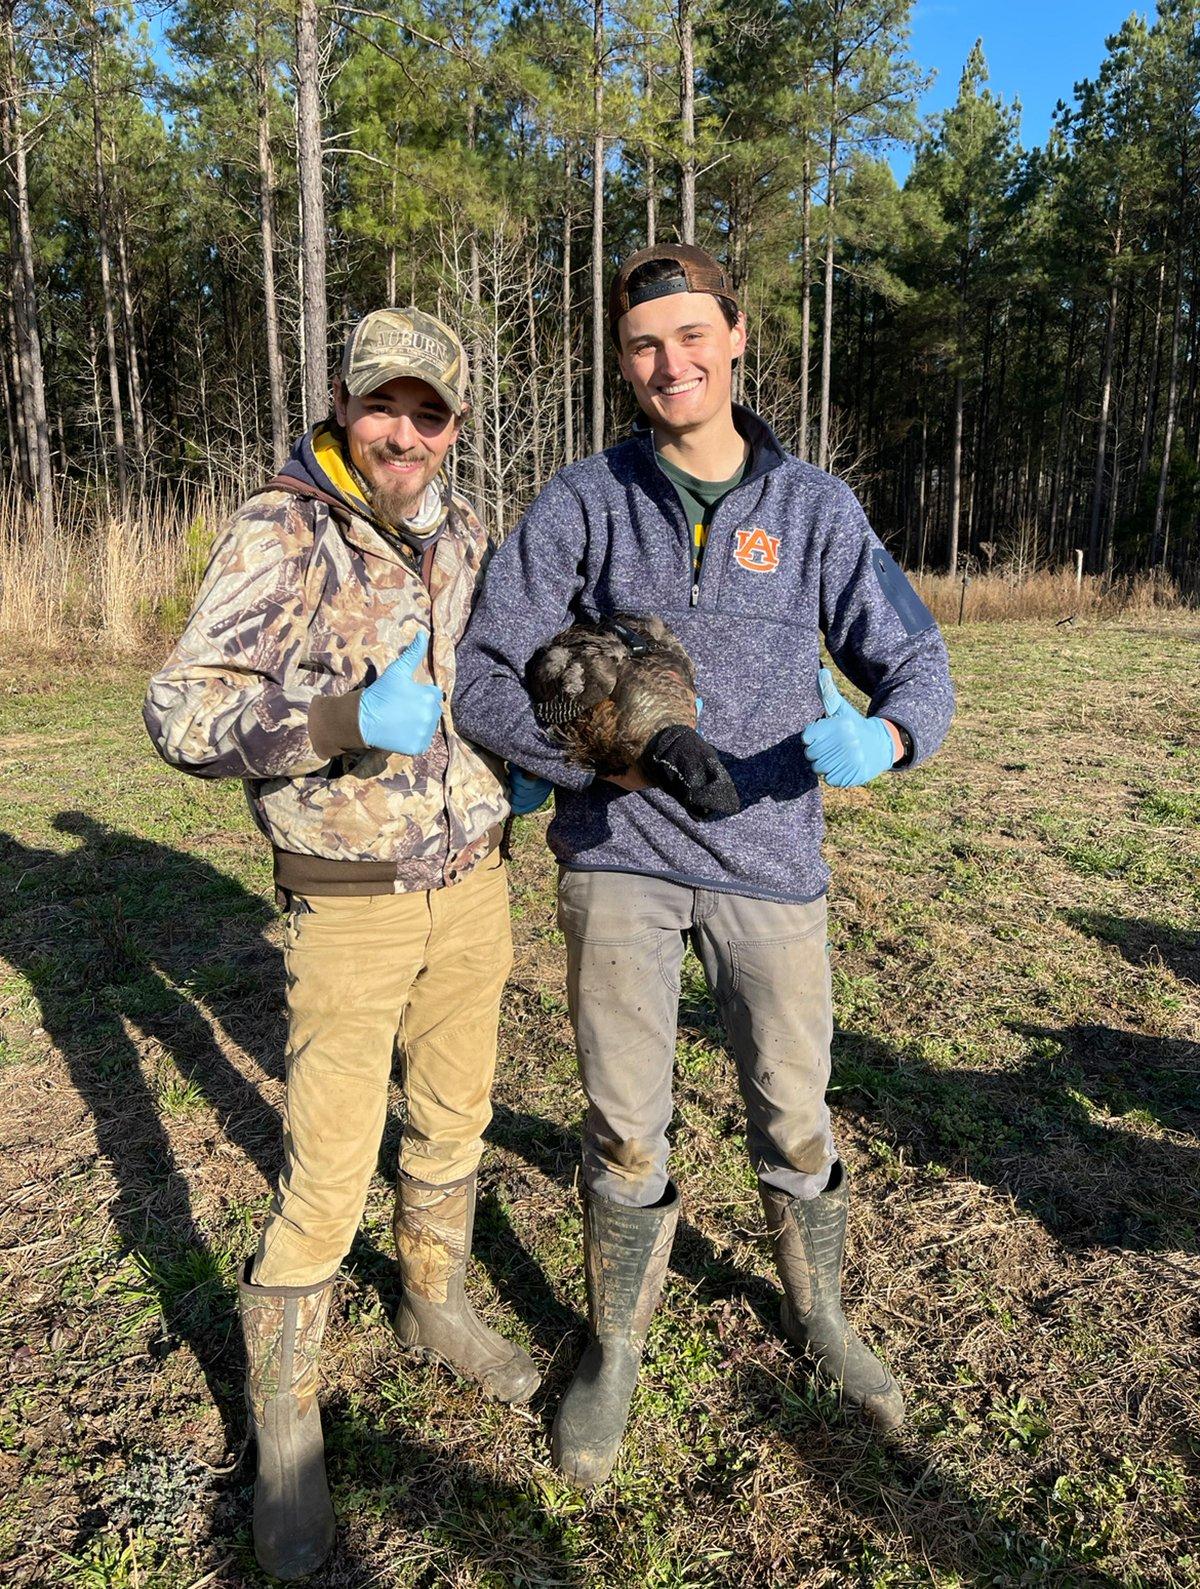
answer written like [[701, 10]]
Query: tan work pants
[[364, 973]]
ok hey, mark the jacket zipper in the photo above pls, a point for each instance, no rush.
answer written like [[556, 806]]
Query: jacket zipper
[[428, 558]]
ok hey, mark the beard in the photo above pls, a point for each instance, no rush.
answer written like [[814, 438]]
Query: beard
[[395, 501]]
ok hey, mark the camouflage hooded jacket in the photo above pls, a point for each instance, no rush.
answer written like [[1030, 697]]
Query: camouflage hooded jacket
[[305, 601]]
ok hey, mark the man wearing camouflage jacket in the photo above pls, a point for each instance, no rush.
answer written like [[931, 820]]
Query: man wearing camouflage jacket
[[318, 666]]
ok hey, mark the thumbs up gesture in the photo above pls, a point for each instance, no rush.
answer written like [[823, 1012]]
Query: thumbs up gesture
[[844, 747], [396, 713]]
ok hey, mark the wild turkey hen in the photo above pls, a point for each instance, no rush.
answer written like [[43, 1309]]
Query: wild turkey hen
[[621, 693]]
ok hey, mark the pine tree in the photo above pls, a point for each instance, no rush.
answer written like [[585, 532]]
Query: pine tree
[[967, 166]]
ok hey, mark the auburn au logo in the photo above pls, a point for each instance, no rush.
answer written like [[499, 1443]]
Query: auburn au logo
[[756, 550]]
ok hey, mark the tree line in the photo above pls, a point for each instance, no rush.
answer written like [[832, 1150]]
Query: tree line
[[1001, 354]]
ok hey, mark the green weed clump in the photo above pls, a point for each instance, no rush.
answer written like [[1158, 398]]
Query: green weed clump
[[166, 615]]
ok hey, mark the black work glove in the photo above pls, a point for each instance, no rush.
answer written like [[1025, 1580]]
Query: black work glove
[[679, 762]]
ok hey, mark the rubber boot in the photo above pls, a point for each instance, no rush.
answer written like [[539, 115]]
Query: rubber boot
[[293, 1515], [625, 1252], [809, 1237], [433, 1226]]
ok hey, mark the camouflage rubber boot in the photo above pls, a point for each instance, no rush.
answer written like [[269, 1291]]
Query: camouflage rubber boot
[[293, 1515], [809, 1237], [625, 1252], [433, 1227]]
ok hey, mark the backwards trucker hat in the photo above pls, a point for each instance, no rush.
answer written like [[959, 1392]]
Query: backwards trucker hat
[[697, 272], [389, 343]]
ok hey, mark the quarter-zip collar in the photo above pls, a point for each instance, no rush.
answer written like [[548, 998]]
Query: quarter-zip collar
[[765, 452], [765, 455]]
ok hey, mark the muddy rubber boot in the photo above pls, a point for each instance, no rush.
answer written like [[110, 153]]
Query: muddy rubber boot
[[625, 1252], [809, 1237], [433, 1227], [293, 1516]]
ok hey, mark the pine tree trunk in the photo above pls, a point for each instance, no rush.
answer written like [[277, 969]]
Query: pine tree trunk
[[598, 227], [314, 310], [805, 308], [978, 445], [106, 289], [172, 361], [739, 368], [863, 415], [827, 307], [97, 400], [568, 376], [22, 458], [1150, 418], [1123, 409], [390, 288], [955, 479], [14, 318], [136, 411], [29, 345], [498, 505], [921, 515], [1060, 450], [687, 122], [266, 224], [648, 152], [1110, 337], [16, 464], [478, 476], [1110, 523], [535, 395], [1158, 549], [988, 451]]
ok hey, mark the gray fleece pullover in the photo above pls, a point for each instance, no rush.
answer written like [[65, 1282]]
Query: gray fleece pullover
[[790, 558]]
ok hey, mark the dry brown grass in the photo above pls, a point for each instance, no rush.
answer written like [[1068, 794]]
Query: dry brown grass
[[119, 582], [1050, 594], [125, 584]]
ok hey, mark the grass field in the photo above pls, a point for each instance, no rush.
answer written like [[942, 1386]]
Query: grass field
[[1016, 1090]]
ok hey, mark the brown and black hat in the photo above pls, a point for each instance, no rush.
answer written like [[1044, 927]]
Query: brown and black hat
[[698, 272]]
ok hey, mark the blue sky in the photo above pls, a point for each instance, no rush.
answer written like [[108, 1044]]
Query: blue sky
[[1036, 51]]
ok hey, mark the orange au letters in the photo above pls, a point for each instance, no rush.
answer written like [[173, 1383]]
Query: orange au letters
[[756, 550]]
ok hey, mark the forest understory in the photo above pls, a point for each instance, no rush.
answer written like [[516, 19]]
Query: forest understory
[[1000, 352]]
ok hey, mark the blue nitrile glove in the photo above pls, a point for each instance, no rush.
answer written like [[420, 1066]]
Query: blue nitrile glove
[[527, 793], [396, 713], [844, 747]]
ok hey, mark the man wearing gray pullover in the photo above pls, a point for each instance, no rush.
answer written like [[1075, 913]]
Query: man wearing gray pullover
[[752, 558]]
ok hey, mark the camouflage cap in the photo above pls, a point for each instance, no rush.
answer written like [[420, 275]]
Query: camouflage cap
[[388, 344], [698, 271]]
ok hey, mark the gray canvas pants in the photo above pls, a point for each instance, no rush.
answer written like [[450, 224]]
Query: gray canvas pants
[[766, 967]]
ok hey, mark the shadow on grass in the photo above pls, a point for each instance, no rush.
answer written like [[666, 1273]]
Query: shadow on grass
[[113, 935], [451, 1507], [108, 934], [1077, 1133], [896, 1485], [1069, 1133], [910, 1499], [1144, 942]]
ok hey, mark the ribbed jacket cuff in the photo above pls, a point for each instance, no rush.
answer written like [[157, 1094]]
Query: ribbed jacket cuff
[[333, 724]]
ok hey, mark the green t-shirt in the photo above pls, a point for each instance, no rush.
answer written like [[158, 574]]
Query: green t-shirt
[[700, 499]]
